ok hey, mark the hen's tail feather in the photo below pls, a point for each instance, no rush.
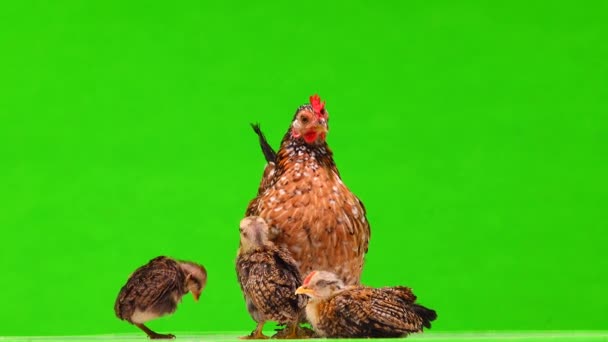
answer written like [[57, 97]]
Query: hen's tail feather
[[269, 153], [426, 314]]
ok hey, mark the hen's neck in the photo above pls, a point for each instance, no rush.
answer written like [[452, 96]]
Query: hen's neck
[[297, 151]]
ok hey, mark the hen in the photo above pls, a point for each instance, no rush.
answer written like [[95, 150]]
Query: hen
[[155, 289], [268, 277], [335, 310], [309, 210]]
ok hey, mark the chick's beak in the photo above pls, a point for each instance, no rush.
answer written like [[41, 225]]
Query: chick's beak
[[304, 290]]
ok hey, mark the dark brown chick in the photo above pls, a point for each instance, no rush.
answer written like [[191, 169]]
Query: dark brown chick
[[308, 208], [155, 289], [268, 276], [336, 310]]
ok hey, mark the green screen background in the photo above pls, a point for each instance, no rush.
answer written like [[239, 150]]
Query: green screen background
[[475, 133]]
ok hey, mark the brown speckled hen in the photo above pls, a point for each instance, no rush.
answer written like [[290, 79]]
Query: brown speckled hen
[[155, 289], [268, 276], [336, 310], [307, 206]]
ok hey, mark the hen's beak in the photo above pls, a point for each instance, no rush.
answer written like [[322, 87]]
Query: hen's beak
[[304, 290], [321, 127], [196, 296]]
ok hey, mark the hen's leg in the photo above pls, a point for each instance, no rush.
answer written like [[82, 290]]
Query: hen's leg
[[257, 333]]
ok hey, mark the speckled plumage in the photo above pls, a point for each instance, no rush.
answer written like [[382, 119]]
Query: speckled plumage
[[155, 289], [309, 210], [358, 311], [268, 277]]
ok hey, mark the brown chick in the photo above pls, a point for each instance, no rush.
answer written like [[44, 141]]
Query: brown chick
[[308, 208], [155, 289], [268, 276], [336, 310]]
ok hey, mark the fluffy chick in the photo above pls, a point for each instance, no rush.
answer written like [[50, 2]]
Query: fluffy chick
[[268, 276], [155, 289], [335, 310]]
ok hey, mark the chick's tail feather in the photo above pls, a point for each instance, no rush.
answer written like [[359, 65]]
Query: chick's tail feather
[[427, 315]]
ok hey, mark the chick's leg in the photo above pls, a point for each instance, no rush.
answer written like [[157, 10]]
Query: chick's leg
[[257, 333], [290, 332], [304, 332], [152, 335]]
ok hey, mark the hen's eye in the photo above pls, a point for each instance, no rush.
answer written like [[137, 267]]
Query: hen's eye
[[304, 119]]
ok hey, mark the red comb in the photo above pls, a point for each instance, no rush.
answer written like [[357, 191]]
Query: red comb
[[317, 106], [308, 277]]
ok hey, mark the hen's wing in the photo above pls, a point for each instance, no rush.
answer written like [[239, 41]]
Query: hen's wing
[[267, 177]]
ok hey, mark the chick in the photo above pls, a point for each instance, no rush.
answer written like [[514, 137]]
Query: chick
[[155, 289], [268, 276], [335, 310]]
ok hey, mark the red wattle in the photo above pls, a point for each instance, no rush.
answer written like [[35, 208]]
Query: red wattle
[[310, 137]]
